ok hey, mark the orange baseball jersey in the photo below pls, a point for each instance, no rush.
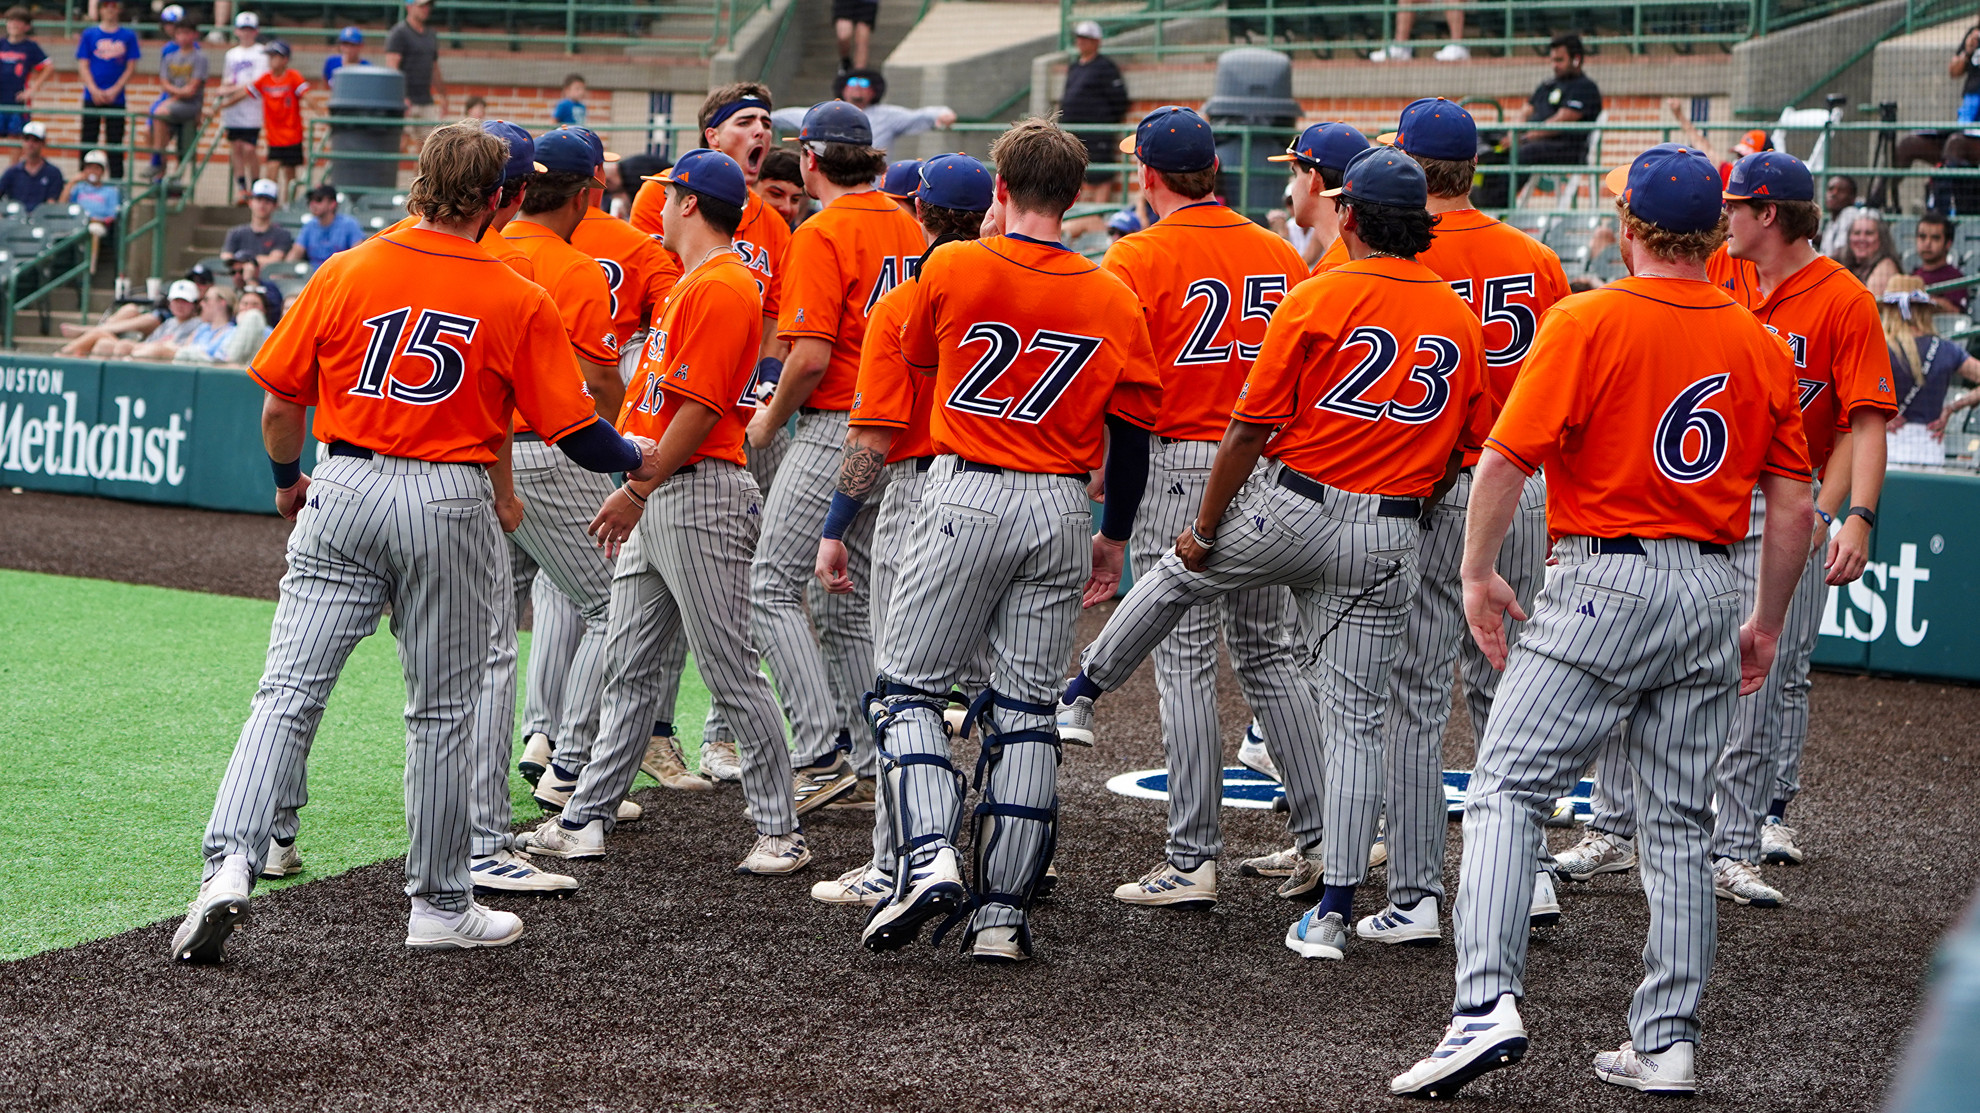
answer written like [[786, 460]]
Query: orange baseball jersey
[[892, 394], [839, 264], [577, 286], [1372, 371], [761, 238], [1208, 280], [418, 344], [703, 350], [1654, 404], [281, 107], [493, 242], [638, 271], [1031, 346], [1333, 257], [1830, 323]]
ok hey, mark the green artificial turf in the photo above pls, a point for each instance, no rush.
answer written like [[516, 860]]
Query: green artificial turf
[[119, 706]]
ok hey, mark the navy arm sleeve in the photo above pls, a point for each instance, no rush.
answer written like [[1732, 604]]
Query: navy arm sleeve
[[599, 447], [1127, 477]]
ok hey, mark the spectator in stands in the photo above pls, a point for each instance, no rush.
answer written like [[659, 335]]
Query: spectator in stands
[[24, 69], [214, 323], [248, 279], [412, 48], [571, 109], [475, 108], [1399, 51], [1095, 93], [852, 22], [233, 342], [350, 52], [1934, 242], [1838, 199], [244, 65], [327, 231], [865, 89], [182, 73], [98, 199], [106, 57], [1870, 253], [260, 240], [1568, 98], [33, 179], [180, 322], [1922, 369], [781, 185], [281, 91], [1962, 148]]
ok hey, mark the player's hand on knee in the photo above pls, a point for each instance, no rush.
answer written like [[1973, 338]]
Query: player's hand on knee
[[615, 521], [1849, 551], [1756, 656], [289, 500], [1487, 602], [509, 511], [830, 568], [1108, 557], [649, 459]]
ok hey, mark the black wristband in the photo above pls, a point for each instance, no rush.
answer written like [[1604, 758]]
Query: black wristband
[[1868, 515], [286, 475]]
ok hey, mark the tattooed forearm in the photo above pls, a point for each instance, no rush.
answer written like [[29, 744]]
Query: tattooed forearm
[[859, 472]]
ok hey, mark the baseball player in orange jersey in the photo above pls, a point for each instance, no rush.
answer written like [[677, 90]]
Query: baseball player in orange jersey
[[1317, 158], [1830, 324], [889, 434], [414, 348], [735, 120], [521, 164], [1656, 405], [1509, 280], [1371, 376], [689, 534], [839, 264], [1207, 280], [1032, 348]]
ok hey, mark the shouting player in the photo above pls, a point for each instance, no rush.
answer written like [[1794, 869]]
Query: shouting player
[[890, 435], [1655, 404], [1034, 349], [414, 348], [1365, 394], [688, 532], [840, 263]]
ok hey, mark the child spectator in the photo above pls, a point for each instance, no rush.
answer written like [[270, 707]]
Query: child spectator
[[106, 56], [241, 116], [475, 108], [350, 52], [98, 198], [33, 179], [571, 110], [182, 72], [24, 69], [281, 90], [328, 232]]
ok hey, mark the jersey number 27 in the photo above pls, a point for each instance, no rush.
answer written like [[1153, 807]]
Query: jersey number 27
[[1006, 344]]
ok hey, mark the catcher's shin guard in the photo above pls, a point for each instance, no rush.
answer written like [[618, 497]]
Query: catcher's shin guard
[[913, 746], [1014, 828]]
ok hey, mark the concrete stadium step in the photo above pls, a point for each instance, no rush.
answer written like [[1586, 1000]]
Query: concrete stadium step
[[819, 63]]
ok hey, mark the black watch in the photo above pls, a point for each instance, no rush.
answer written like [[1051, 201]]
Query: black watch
[[1868, 515]]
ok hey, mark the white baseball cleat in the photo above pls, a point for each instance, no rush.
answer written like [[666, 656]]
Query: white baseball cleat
[[1654, 1072], [1597, 852], [1076, 721], [430, 929], [280, 861], [1777, 844], [628, 811], [934, 889], [554, 840], [1279, 863], [1472, 1045], [1545, 911], [665, 763], [220, 907], [507, 873], [1253, 755], [1168, 886], [535, 757], [776, 854], [1417, 925], [1307, 873], [720, 762], [553, 790], [1317, 936], [863, 885], [1739, 882], [997, 945]]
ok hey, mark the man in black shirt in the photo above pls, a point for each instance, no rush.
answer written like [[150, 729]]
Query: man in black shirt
[[1095, 94], [1569, 97]]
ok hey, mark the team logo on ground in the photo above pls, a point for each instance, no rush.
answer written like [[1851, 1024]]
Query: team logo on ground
[[1248, 788]]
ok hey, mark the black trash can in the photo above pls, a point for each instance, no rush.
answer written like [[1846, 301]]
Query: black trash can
[[1253, 88], [374, 91]]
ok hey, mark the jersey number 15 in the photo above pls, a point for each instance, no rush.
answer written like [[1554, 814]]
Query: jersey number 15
[[376, 378]]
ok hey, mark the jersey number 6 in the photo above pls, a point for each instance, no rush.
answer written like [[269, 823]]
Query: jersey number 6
[[375, 378], [1685, 415]]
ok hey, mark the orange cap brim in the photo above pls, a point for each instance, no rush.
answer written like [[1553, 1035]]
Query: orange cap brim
[[611, 156], [1388, 138], [1287, 157], [1127, 145], [1617, 180]]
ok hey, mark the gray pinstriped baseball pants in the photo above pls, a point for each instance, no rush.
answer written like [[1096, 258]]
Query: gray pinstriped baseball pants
[[1651, 640], [1342, 561], [1420, 684], [421, 539], [1003, 556], [683, 573], [556, 630], [1256, 622]]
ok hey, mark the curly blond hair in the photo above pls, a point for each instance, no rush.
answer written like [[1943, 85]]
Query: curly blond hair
[[460, 167], [1678, 247]]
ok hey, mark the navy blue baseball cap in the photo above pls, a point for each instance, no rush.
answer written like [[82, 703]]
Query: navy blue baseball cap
[[522, 149], [835, 121], [1435, 128], [956, 182], [1770, 176], [903, 178], [1672, 186], [1173, 139], [1332, 146], [1383, 176], [569, 150], [707, 172]]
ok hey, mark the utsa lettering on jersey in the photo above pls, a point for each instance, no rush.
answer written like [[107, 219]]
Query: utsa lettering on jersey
[[760, 240]]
